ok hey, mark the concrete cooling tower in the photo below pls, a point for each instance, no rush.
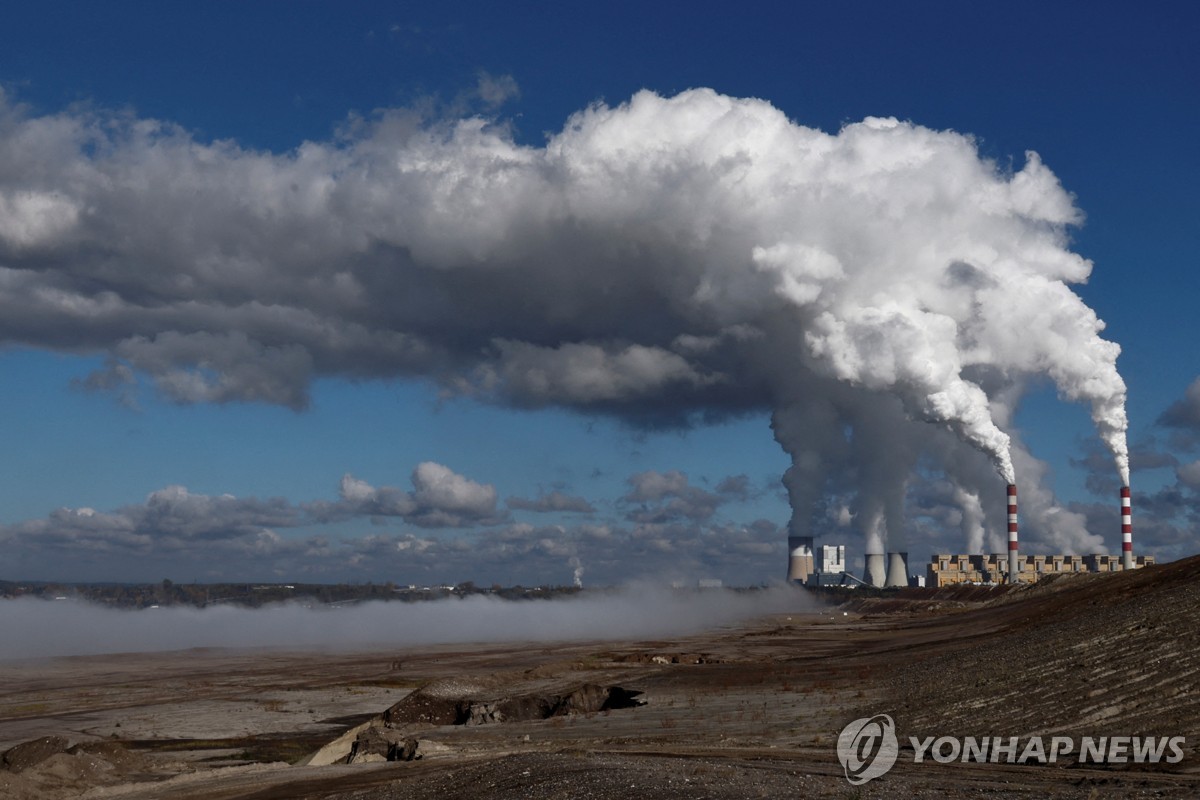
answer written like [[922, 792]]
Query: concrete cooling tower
[[800, 558], [897, 569]]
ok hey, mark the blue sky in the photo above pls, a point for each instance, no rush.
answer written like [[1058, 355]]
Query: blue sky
[[1107, 99]]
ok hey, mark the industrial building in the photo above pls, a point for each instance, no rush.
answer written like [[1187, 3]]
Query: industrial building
[[812, 566], [947, 569], [826, 566], [885, 570]]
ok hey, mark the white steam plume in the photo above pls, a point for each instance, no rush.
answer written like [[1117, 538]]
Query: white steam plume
[[664, 260], [972, 518]]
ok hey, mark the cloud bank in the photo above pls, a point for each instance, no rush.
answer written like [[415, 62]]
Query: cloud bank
[[449, 530], [440, 498], [665, 261]]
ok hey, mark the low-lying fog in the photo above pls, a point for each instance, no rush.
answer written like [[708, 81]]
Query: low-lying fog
[[33, 628]]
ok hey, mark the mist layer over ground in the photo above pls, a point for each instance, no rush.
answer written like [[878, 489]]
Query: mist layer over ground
[[32, 628]]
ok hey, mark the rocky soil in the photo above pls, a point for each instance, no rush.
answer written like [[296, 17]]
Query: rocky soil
[[748, 711]]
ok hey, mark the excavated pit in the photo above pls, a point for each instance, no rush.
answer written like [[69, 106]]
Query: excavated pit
[[432, 706]]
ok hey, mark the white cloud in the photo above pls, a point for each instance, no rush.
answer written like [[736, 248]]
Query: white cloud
[[440, 498], [28, 219], [440, 487], [664, 260], [496, 90]]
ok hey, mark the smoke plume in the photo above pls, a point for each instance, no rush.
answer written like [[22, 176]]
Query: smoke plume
[[664, 261], [972, 519]]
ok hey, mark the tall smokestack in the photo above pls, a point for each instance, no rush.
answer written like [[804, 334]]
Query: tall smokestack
[[1014, 570], [1126, 529], [897, 569]]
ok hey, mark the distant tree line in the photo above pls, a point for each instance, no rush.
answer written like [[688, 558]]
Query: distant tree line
[[254, 595]]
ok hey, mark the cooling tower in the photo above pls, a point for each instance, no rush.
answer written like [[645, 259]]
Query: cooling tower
[[1126, 529], [1014, 561], [875, 573], [800, 558], [897, 569]]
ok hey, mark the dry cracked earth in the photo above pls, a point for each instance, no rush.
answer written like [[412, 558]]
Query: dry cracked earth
[[748, 711]]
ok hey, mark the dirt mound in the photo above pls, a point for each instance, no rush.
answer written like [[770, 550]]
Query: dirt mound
[[1117, 653], [385, 744], [425, 707], [923, 600], [48, 768], [32, 753]]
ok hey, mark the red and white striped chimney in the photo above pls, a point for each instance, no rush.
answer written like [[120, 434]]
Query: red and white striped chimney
[[1014, 570], [1126, 530]]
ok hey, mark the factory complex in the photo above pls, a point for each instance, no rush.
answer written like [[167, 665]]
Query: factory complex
[[949, 569], [826, 566]]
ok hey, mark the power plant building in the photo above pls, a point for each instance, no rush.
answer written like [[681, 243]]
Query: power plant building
[[947, 569], [815, 566], [831, 563], [887, 570], [833, 559]]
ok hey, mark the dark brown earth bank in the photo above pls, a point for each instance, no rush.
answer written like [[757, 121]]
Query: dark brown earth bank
[[752, 710]]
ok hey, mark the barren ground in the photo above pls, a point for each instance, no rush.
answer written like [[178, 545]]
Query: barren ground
[[747, 711]]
